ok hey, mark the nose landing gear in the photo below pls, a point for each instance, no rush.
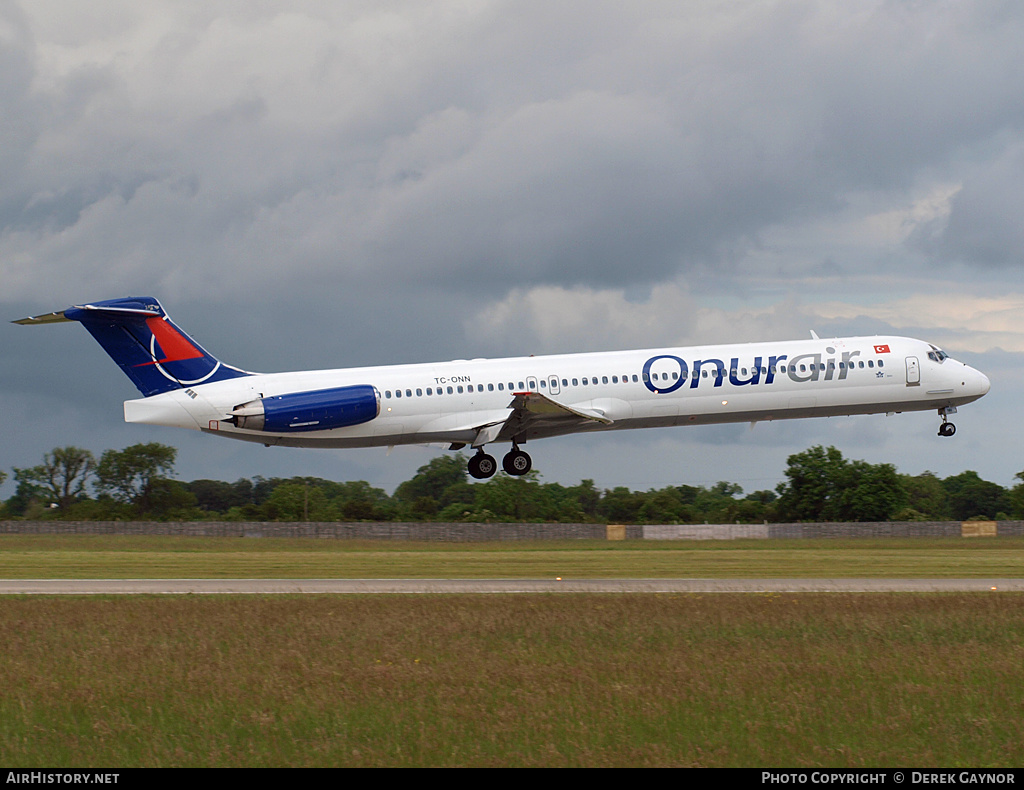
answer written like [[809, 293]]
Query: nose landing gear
[[947, 428]]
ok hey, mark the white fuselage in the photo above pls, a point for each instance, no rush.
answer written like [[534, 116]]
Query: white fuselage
[[451, 402]]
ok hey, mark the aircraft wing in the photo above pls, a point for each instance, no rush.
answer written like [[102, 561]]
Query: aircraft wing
[[527, 411], [533, 410], [534, 406]]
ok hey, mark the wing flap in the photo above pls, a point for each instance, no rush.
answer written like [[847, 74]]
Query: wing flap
[[539, 405]]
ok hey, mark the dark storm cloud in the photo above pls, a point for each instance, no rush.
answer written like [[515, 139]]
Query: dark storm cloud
[[517, 145], [984, 226], [310, 185]]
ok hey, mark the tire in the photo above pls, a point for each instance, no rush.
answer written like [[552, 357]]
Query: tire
[[517, 463], [481, 466]]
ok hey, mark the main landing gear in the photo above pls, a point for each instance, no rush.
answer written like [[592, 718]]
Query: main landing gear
[[947, 428], [516, 462]]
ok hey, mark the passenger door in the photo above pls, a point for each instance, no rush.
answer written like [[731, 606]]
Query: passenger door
[[913, 372]]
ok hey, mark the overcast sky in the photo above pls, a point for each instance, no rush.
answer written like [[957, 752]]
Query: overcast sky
[[309, 185]]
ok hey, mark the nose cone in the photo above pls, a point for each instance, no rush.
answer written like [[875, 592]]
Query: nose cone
[[984, 385], [976, 382]]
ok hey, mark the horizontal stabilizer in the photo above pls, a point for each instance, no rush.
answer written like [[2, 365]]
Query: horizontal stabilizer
[[45, 318], [148, 347]]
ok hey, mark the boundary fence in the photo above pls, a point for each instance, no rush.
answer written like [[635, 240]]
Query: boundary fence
[[472, 532]]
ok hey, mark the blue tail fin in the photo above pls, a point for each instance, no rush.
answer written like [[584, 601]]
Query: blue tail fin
[[152, 351]]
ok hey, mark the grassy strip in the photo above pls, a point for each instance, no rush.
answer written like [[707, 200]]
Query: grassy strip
[[724, 680], [119, 557]]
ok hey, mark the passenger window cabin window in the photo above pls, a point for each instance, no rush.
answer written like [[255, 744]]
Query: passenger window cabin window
[[398, 393], [542, 384], [871, 363], [490, 388], [881, 363], [408, 393], [615, 379], [450, 390], [522, 386], [604, 379], [575, 382], [387, 393], [565, 382], [419, 393]]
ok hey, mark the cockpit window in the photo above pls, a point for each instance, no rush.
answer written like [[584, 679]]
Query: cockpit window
[[937, 355]]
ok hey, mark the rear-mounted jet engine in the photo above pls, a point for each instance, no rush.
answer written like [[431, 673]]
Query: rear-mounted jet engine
[[316, 410]]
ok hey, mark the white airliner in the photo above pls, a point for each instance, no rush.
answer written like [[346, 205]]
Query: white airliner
[[480, 401]]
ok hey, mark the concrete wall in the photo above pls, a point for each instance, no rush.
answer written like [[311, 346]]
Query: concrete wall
[[425, 530], [365, 530]]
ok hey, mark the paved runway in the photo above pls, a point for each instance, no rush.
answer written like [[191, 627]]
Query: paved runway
[[449, 586]]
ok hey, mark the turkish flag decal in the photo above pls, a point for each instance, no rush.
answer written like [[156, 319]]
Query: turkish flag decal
[[881, 349]]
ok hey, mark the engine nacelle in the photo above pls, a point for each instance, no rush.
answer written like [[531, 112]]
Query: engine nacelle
[[316, 410]]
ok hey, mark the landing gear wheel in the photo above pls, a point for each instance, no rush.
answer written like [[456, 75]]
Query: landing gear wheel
[[481, 466], [516, 462], [947, 429]]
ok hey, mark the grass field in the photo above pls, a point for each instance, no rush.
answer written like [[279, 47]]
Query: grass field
[[559, 680], [120, 557], [768, 680]]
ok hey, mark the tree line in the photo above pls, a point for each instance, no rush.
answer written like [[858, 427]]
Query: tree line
[[821, 485]]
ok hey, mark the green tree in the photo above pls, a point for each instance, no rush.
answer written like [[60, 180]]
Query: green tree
[[970, 496], [171, 500], [620, 505], [62, 476], [432, 488], [359, 501], [28, 494], [813, 478], [823, 486], [667, 506], [128, 475], [926, 497], [216, 496], [1016, 497], [299, 500], [512, 498], [870, 492], [587, 497]]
